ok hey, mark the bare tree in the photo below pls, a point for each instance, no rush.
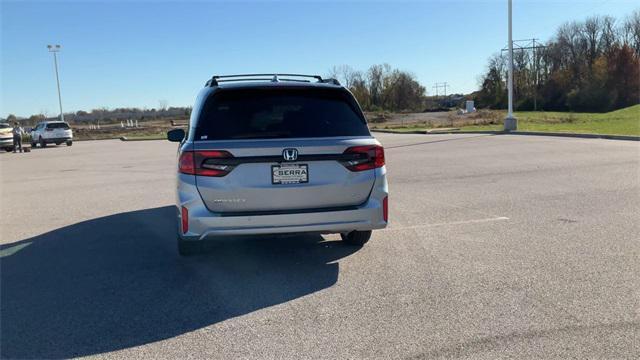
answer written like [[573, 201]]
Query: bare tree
[[343, 73], [631, 31], [359, 88], [591, 36], [375, 82], [608, 36]]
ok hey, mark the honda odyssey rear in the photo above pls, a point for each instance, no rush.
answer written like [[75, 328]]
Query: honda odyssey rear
[[269, 154]]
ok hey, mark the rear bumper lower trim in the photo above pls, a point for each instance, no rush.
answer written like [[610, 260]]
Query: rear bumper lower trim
[[55, 140], [330, 227], [285, 212]]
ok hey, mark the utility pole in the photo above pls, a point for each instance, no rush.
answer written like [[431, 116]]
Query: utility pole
[[510, 122], [535, 74], [54, 49], [526, 45], [441, 85]]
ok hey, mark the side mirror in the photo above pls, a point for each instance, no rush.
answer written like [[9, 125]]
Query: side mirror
[[176, 135]]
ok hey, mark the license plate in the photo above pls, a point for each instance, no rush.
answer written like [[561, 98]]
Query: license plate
[[289, 174]]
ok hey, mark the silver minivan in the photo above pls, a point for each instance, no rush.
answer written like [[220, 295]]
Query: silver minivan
[[275, 154]]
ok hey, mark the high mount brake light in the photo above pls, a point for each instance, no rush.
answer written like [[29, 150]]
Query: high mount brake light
[[203, 163], [368, 157]]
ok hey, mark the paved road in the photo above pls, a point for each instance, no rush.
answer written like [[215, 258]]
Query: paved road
[[500, 246]]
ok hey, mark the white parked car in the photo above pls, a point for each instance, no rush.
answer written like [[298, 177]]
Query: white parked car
[[51, 132], [6, 136]]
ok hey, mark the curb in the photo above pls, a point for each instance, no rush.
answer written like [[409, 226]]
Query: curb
[[426, 132], [573, 135], [113, 138], [124, 138], [398, 132], [530, 133]]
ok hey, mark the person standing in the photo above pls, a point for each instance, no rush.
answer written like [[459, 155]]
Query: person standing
[[17, 137]]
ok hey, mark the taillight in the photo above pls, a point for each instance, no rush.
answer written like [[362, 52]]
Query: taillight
[[385, 209], [204, 163], [185, 220], [365, 157], [185, 163]]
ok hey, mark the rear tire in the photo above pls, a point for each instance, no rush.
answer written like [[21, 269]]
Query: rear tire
[[8, 149], [69, 142], [43, 144], [357, 238], [189, 248]]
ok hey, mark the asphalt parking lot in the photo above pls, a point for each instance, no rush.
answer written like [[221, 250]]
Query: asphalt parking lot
[[499, 246]]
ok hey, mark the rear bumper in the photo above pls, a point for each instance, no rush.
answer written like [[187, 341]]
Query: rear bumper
[[204, 224], [57, 140]]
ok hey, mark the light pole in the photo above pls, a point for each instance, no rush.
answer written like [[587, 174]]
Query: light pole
[[54, 49], [510, 122]]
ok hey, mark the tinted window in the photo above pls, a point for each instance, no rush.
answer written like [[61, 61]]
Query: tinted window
[[57, 126], [278, 113]]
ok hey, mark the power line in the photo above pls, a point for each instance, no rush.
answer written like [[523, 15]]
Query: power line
[[526, 44]]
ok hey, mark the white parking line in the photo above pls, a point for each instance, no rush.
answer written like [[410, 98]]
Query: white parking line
[[474, 221]]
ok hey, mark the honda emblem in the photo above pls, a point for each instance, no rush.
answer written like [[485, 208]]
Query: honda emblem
[[290, 154]]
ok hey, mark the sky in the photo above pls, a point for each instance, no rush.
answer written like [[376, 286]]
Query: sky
[[141, 53]]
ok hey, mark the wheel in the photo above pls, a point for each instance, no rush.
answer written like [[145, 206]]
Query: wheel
[[43, 144], [33, 145], [188, 248], [357, 238], [8, 149], [69, 142]]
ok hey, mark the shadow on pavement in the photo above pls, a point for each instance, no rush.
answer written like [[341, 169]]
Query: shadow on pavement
[[116, 282]]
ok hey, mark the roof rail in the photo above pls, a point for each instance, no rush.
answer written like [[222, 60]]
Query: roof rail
[[216, 79], [331, 81]]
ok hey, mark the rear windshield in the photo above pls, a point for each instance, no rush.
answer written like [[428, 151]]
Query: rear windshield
[[57, 126], [279, 113]]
